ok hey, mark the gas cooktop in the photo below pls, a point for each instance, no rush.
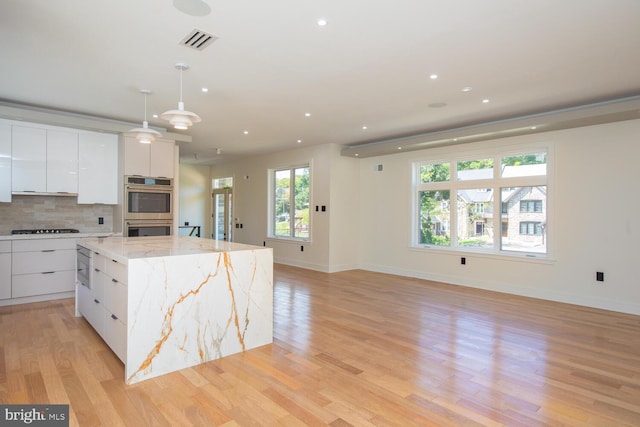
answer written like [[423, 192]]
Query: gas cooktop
[[46, 231]]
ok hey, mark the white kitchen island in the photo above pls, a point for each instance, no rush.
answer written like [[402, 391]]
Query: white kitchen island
[[168, 303]]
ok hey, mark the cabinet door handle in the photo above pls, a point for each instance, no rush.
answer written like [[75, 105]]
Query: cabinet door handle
[[97, 269], [114, 280], [96, 301], [114, 260], [49, 250], [114, 317], [47, 272]]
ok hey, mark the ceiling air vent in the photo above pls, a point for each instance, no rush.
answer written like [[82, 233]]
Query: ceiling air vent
[[198, 40]]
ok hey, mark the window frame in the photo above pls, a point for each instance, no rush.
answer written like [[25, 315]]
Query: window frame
[[496, 183], [271, 211]]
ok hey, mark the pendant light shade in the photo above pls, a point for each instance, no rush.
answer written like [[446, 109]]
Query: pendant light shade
[[181, 118], [145, 135]]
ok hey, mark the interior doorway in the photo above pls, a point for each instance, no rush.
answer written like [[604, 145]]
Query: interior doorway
[[221, 217]]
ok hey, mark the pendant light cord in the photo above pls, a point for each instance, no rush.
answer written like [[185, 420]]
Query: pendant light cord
[[145, 107], [181, 84]]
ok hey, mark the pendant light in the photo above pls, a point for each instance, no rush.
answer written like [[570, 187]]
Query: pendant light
[[145, 135], [181, 118]]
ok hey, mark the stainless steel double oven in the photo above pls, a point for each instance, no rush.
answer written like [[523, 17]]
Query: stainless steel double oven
[[148, 206]]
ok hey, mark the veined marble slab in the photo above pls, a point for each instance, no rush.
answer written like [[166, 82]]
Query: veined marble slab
[[191, 300], [122, 249]]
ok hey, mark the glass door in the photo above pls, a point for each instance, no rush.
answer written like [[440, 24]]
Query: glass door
[[221, 216]]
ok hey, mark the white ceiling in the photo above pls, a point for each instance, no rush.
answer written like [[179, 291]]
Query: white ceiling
[[272, 63]]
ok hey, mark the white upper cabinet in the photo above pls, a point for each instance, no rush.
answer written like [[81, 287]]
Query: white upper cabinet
[[155, 159], [29, 159], [5, 162], [161, 159], [62, 162], [98, 168], [44, 160]]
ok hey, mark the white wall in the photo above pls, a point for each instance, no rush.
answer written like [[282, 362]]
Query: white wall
[[333, 184], [195, 197], [595, 222], [344, 215], [368, 220]]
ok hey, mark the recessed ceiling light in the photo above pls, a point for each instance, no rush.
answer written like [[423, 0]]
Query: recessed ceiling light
[[433, 76], [364, 128], [299, 141], [321, 22], [307, 114], [205, 90], [357, 154], [485, 101], [155, 116], [399, 148], [467, 89], [246, 132], [193, 8]]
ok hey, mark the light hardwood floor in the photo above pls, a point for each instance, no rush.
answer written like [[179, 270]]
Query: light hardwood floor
[[353, 348]]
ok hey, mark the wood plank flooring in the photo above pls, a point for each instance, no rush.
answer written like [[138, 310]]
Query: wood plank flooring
[[351, 349]]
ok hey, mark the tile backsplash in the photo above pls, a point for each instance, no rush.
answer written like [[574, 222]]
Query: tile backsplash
[[26, 212]]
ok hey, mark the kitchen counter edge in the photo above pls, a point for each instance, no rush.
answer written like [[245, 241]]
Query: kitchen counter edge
[[57, 236]]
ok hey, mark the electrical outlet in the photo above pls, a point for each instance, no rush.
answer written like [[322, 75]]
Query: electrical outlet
[[599, 276], [301, 248], [100, 220], [463, 260]]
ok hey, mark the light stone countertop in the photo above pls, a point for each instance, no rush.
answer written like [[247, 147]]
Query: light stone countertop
[[56, 236], [122, 249]]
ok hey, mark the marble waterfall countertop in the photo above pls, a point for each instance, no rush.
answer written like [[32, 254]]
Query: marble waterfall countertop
[[123, 249], [188, 300]]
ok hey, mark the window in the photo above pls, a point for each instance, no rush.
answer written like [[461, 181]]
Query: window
[[532, 228], [290, 203], [222, 183], [530, 205], [434, 218], [456, 200]]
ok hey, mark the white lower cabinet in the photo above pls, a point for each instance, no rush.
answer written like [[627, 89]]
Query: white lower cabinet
[[42, 266], [91, 308], [5, 269], [104, 304]]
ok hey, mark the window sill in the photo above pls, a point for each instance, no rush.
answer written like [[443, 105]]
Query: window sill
[[528, 257], [295, 240]]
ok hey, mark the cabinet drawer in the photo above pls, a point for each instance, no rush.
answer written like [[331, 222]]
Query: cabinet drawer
[[37, 245], [91, 309], [115, 335], [26, 285], [5, 276], [99, 262], [118, 271], [5, 246], [41, 262], [98, 280], [115, 299]]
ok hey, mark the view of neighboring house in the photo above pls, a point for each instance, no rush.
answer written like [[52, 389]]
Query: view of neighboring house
[[522, 215]]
